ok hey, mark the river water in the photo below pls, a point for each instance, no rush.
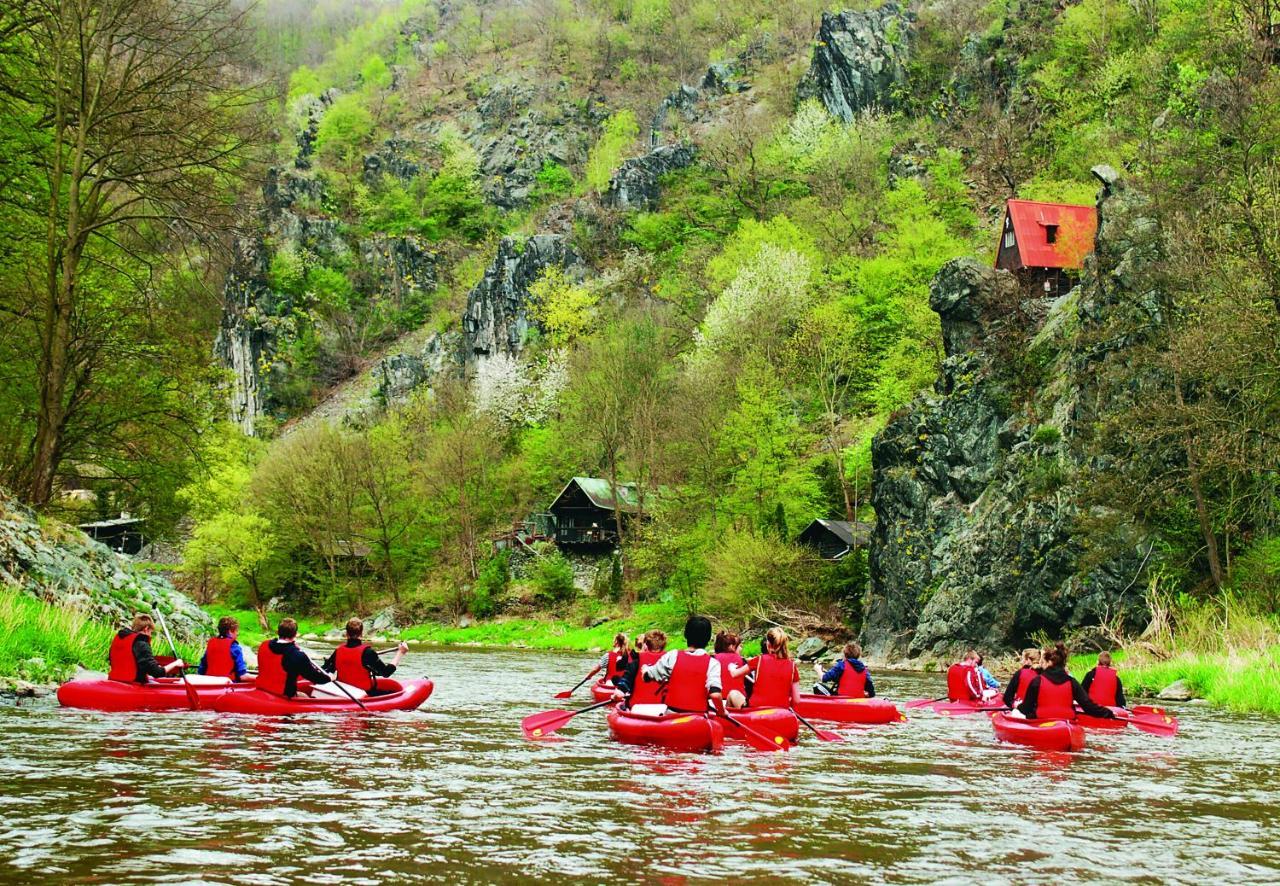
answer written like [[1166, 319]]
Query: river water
[[453, 793]]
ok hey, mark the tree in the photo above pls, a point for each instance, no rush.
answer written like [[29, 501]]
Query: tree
[[243, 547], [128, 128]]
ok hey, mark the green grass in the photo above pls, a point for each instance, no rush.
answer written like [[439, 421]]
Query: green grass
[[41, 642], [540, 633], [251, 635], [1243, 681]]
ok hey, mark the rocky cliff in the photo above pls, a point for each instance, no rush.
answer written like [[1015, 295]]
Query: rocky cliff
[[859, 60], [980, 486], [60, 564]]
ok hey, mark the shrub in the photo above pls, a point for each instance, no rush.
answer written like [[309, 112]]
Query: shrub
[[1046, 435], [553, 182], [619, 133], [750, 576], [495, 575], [552, 577]]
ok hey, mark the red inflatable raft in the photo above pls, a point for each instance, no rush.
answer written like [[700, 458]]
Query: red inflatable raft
[[769, 722], [405, 696], [163, 694], [1043, 735], [601, 691], [873, 711], [676, 732]]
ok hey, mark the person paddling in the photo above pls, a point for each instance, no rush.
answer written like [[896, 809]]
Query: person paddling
[[1051, 694], [849, 675], [281, 663], [630, 687], [614, 662], [223, 656], [692, 676], [1103, 684], [130, 657], [733, 668], [777, 680], [963, 681], [1018, 683], [358, 664]]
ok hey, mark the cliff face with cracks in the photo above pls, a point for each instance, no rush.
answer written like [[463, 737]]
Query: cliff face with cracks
[[979, 503], [859, 60]]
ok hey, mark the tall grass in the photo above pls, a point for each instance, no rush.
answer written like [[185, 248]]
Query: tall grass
[[41, 642]]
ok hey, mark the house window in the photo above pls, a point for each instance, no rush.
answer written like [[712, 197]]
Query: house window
[[1051, 233], [1008, 239]]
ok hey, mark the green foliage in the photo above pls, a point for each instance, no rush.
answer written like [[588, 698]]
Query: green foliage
[[743, 247], [42, 642], [1046, 435], [303, 81], [553, 182], [375, 74], [346, 130], [491, 584], [551, 576], [617, 136], [564, 308], [752, 575]]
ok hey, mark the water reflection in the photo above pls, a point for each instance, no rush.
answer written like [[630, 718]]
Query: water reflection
[[453, 793]]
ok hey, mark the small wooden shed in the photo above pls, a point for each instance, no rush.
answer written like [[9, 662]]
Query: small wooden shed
[[834, 539], [1045, 243], [584, 512]]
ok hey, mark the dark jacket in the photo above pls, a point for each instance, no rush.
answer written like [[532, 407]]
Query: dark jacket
[[1058, 676], [369, 658], [1011, 691], [142, 655], [630, 671], [297, 664]]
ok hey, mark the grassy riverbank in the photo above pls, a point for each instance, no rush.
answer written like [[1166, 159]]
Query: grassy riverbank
[[42, 643]]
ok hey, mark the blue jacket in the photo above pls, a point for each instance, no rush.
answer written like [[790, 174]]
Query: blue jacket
[[990, 681], [834, 674], [237, 660]]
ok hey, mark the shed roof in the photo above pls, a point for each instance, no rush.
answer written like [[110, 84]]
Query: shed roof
[[841, 529], [111, 524], [1074, 228], [598, 491]]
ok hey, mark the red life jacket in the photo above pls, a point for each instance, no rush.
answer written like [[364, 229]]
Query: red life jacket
[[647, 691], [271, 675], [124, 667], [687, 687], [1025, 676], [728, 682], [614, 670], [774, 677], [217, 658], [960, 684], [349, 664], [1055, 701], [1102, 689], [853, 684]]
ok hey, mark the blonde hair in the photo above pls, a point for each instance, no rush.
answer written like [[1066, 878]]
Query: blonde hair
[[143, 623], [656, 640], [621, 643], [1104, 659], [776, 640], [1030, 657]]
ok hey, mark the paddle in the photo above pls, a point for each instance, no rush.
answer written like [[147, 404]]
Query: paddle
[[823, 734], [1160, 724], [566, 693], [923, 702], [543, 724], [758, 740], [193, 698]]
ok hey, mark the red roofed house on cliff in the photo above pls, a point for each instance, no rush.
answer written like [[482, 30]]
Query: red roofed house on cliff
[[1044, 243]]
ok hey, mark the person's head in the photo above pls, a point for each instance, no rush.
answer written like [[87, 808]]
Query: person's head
[[970, 658], [355, 629], [143, 624], [852, 651], [621, 643], [287, 629], [1057, 656], [978, 659], [228, 627], [697, 632], [1031, 658], [727, 641], [1104, 659], [775, 643], [655, 641]]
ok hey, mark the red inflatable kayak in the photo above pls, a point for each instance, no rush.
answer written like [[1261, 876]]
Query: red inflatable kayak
[[405, 696], [769, 722], [1043, 735], [849, 710], [676, 732], [601, 691], [163, 694]]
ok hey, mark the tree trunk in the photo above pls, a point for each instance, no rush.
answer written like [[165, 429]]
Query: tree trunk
[[1197, 492]]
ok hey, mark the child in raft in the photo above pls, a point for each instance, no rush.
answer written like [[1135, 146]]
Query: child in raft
[[628, 688], [733, 669], [988, 679], [1018, 683], [1103, 684], [614, 662], [776, 680], [1054, 694], [849, 676], [964, 683], [223, 656]]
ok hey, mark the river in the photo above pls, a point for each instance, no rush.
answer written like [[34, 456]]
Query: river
[[453, 793]]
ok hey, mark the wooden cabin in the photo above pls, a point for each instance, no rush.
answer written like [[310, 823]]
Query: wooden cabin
[[123, 534], [1044, 244], [584, 512], [834, 539]]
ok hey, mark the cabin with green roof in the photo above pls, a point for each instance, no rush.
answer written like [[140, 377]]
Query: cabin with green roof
[[584, 512]]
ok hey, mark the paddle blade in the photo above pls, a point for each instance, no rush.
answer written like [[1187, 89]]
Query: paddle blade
[[762, 741], [564, 693], [828, 735], [545, 723], [1161, 724], [193, 697], [922, 702]]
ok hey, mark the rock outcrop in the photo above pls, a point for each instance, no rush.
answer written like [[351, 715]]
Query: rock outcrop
[[635, 183], [860, 60], [62, 565], [979, 505], [242, 342]]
